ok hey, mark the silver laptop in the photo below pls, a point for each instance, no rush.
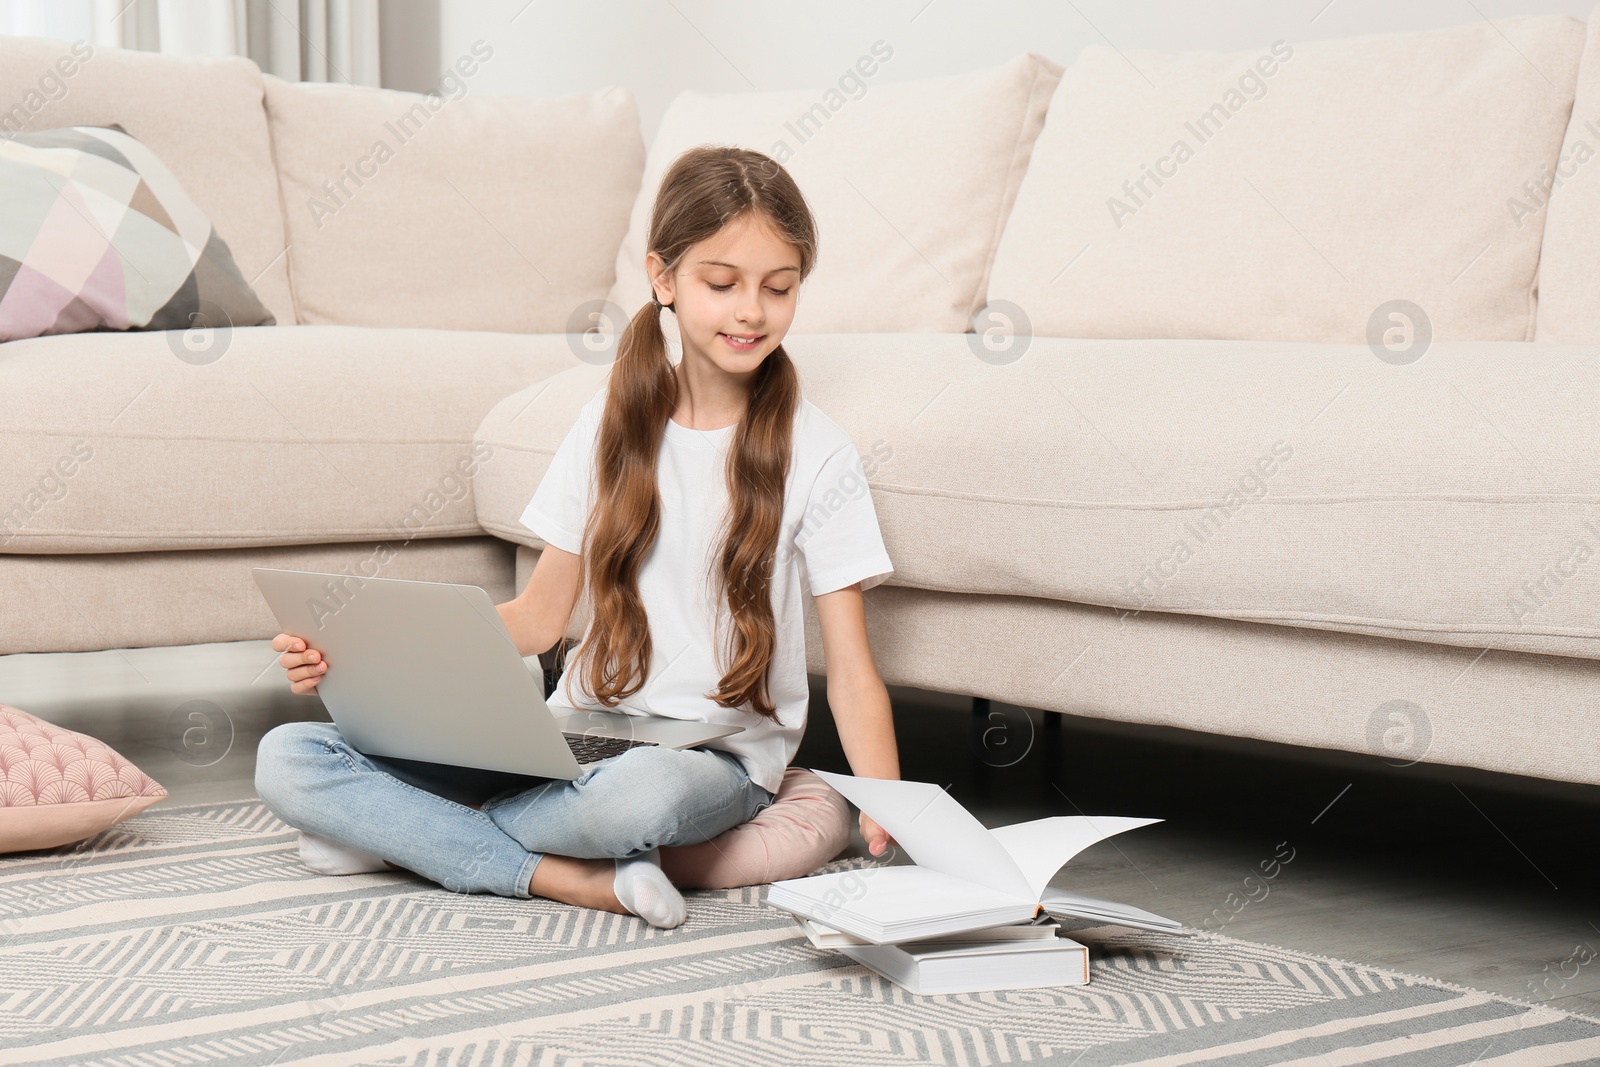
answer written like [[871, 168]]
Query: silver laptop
[[427, 671]]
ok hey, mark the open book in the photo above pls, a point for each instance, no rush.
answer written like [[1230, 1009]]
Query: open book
[[965, 875], [1044, 928]]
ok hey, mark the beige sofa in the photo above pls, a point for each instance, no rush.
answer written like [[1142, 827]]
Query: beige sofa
[[1196, 466]]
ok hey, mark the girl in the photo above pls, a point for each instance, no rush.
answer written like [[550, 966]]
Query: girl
[[693, 618]]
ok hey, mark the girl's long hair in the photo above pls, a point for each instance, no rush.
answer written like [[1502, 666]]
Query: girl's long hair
[[705, 189]]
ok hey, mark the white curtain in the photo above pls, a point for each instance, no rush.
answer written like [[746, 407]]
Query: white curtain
[[298, 40]]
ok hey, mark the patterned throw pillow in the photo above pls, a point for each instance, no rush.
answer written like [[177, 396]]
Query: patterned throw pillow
[[58, 786], [97, 234]]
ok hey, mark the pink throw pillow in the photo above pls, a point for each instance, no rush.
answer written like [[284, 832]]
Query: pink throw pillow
[[58, 786], [807, 824]]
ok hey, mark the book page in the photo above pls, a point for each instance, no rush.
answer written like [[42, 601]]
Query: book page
[[1079, 906], [892, 897], [1041, 847], [936, 831]]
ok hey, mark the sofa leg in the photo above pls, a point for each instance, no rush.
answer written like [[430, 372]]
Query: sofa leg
[[981, 708]]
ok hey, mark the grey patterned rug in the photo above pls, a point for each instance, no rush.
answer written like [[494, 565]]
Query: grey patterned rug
[[193, 935]]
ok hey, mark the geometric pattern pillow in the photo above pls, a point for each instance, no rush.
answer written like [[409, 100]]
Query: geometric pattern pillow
[[58, 786], [97, 234]]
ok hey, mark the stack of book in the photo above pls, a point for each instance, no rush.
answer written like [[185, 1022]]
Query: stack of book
[[1013, 956], [974, 911]]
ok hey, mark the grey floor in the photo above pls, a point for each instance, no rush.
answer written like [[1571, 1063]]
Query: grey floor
[[1478, 879]]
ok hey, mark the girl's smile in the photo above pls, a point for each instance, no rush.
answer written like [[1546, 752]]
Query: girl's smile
[[747, 343]]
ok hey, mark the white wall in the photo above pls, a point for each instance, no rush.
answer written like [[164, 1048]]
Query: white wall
[[658, 48]]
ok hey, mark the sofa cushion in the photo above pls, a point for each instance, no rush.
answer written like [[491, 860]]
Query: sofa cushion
[[202, 117], [806, 825], [109, 600], [397, 204], [523, 430], [58, 786], [1394, 700], [910, 183], [1290, 192], [288, 435], [1451, 499], [1566, 196], [99, 234]]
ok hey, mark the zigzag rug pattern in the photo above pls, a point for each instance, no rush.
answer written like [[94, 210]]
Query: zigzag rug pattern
[[192, 935]]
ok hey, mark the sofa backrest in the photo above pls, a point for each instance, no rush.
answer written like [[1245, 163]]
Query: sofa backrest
[[910, 183], [1295, 191], [469, 212], [202, 117], [1567, 197]]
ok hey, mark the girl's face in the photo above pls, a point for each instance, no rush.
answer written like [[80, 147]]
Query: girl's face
[[734, 293]]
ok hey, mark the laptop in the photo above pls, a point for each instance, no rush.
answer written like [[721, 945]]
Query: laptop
[[427, 671]]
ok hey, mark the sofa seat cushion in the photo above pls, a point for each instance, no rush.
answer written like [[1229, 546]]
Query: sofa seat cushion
[[201, 117], [1452, 499], [1291, 191], [85, 602], [275, 435], [58, 786]]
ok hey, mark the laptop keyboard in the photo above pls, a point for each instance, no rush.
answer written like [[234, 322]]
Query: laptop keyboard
[[589, 749]]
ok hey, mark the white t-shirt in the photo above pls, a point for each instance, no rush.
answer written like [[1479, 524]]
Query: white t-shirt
[[829, 540]]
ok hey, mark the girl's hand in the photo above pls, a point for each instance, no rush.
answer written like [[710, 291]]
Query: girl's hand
[[305, 665], [877, 838]]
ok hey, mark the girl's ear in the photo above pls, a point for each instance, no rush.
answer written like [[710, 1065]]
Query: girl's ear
[[660, 278]]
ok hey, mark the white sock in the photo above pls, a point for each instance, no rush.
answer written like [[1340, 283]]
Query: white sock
[[330, 857], [644, 889]]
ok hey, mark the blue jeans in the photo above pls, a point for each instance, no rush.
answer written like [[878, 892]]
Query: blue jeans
[[420, 816]]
